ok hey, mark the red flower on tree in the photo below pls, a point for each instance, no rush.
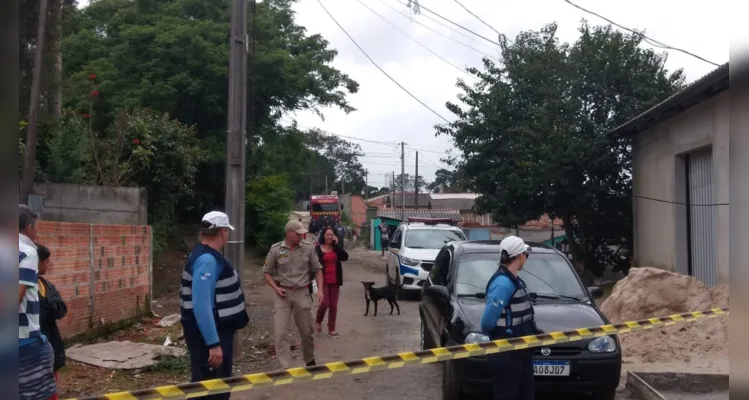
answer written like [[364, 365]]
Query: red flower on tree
[[136, 141], [92, 77], [94, 93], [86, 115]]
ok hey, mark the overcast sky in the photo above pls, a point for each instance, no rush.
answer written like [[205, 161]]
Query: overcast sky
[[387, 114]]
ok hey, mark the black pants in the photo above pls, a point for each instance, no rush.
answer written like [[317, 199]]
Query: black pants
[[513, 375], [199, 369]]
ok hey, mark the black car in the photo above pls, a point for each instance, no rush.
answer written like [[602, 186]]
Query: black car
[[453, 300]]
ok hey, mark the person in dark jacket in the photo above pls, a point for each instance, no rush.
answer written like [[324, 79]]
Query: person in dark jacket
[[331, 255], [51, 308]]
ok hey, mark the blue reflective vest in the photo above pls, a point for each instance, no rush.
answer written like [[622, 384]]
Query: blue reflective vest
[[229, 311], [517, 317]]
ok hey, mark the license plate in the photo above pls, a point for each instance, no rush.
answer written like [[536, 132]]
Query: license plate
[[551, 368]]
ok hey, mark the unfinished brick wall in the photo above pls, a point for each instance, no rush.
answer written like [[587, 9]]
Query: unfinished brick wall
[[103, 272]]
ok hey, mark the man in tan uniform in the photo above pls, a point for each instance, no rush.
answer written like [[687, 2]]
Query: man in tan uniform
[[288, 268]]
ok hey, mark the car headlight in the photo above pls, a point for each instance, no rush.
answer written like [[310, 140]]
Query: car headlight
[[603, 344], [409, 261], [476, 338]]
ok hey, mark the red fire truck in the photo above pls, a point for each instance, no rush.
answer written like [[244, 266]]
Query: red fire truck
[[322, 206]]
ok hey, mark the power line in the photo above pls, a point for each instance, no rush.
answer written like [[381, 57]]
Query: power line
[[416, 41], [680, 202], [477, 17], [652, 41], [456, 24], [440, 33], [377, 66]]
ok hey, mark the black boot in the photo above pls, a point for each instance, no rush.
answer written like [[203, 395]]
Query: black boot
[[311, 363]]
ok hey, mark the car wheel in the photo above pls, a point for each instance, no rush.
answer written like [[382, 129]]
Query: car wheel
[[425, 345], [452, 389], [607, 395]]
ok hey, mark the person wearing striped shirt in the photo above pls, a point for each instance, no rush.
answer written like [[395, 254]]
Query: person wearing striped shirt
[[36, 379]]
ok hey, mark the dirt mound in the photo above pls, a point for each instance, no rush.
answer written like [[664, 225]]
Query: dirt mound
[[650, 292]]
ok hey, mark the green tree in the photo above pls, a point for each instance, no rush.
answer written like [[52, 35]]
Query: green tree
[[534, 132], [410, 181], [171, 56], [269, 202], [344, 157], [446, 181]]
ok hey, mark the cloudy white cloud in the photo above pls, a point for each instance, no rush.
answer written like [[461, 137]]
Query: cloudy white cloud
[[386, 113]]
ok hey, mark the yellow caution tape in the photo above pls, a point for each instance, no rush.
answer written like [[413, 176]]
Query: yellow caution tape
[[369, 364]]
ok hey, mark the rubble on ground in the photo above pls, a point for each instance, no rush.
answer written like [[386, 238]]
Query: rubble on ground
[[121, 355], [651, 292]]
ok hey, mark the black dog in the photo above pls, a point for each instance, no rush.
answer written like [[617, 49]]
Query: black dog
[[374, 295]]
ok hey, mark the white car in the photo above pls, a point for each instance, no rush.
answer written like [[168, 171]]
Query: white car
[[412, 251]]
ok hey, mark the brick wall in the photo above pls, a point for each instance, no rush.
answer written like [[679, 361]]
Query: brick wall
[[103, 272]]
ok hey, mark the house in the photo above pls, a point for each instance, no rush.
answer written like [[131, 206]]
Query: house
[[354, 206], [378, 202], [480, 226], [412, 200], [680, 185]]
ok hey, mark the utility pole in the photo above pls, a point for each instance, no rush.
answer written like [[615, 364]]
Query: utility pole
[[343, 188], [366, 185], [236, 137], [403, 182], [326, 183], [394, 192], [416, 183]]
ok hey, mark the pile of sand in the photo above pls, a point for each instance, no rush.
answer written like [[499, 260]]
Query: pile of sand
[[651, 292]]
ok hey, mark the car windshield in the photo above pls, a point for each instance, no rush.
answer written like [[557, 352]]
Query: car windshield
[[324, 207], [431, 238], [548, 275]]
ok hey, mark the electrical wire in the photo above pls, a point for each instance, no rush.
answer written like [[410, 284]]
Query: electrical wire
[[377, 66], [455, 23], [416, 41], [680, 202], [440, 33], [652, 41], [477, 17]]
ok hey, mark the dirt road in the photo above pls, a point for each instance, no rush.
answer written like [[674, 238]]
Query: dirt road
[[360, 337]]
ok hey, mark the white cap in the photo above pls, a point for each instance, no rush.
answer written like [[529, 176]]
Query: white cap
[[513, 245], [217, 220]]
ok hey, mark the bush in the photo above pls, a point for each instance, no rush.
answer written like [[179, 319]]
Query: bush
[[269, 202]]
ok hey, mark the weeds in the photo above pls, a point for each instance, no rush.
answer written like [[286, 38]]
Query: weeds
[[171, 363]]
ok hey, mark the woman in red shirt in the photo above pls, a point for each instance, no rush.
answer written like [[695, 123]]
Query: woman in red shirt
[[331, 255]]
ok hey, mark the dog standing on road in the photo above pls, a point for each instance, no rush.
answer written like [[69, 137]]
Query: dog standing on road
[[373, 294]]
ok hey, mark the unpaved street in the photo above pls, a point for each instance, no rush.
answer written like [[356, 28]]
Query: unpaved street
[[360, 337]]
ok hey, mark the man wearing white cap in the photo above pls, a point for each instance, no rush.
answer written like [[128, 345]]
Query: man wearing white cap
[[288, 268], [212, 303], [509, 313]]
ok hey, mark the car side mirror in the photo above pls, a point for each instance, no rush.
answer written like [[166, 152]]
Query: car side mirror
[[595, 292], [438, 292], [395, 245]]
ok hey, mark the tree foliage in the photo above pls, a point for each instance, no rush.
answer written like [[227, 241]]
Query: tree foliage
[[156, 72], [534, 132], [269, 201], [410, 183]]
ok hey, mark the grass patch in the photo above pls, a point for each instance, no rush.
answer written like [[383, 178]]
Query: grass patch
[[171, 363]]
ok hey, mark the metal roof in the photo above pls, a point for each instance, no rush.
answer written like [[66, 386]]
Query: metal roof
[[392, 213], [695, 93]]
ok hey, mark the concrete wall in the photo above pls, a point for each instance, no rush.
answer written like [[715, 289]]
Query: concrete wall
[[103, 272], [93, 204], [660, 228]]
